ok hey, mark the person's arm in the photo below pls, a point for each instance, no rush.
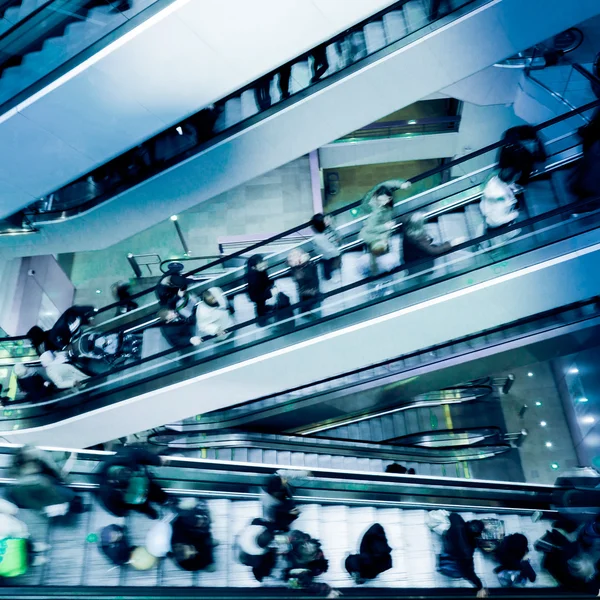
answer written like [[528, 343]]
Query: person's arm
[[467, 569], [527, 571], [391, 184], [424, 244]]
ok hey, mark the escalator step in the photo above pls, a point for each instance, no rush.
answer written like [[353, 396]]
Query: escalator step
[[387, 424], [364, 431], [394, 25], [256, 455], [240, 454], [284, 457], [401, 423], [325, 461], [374, 36], [311, 460], [270, 457], [376, 430], [297, 459]]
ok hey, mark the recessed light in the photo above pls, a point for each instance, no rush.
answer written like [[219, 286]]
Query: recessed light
[[548, 444], [98, 291], [173, 217], [582, 399], [412, 122], [588, 420], [538, 403], [179, 130], [530, 374], [573, 370], [554, 466], [543, 423]]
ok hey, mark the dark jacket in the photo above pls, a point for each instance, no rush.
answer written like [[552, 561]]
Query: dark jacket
[[374, 555], [306, 277], [68, 325], [421, 247], [511, 553], [201, 541], [556, 563], [259, 283], [459, 544], [136, 459]]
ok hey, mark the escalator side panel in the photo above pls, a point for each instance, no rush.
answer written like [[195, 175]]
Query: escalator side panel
[[238, 377]]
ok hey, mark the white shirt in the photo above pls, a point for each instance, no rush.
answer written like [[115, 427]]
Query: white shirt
[[498, 202]]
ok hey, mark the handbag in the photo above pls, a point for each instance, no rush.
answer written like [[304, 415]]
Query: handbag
[[491, 536], [438, 521]]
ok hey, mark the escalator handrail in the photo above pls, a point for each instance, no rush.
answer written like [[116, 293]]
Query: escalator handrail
[[419, 400], [298, 228], [337, 447], [567, 209]]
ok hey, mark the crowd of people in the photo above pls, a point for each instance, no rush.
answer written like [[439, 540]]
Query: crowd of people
[[67, 356], [273, 550]]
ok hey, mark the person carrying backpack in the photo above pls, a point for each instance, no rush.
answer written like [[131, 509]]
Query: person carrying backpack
[[514, 570], [127, 484], [305, 561], [277, 498], [374, 556], [255, 548], [191, 541]]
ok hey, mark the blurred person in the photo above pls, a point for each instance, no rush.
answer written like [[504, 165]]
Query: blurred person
[[400, 469], [435, 10], [326, 242], [305, 560], [277, 499], [60, 372], [40, 484], [320, 62], [377, 229], [374, 556], [172, 285], [514, 570], [285, 75], [418, 245], [498, 202], [191, 541], [573, 569], [177, 332], [259, 286], [262, 92], [212, 315], [458, 548], [589, 537], [32, 383], [305, 275], [69, 324], [255, 547], [19, 552], [521, 151], [127, 484], [122, 294], [584, 181]]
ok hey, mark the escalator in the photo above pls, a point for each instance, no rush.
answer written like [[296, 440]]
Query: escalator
[[189, 163], [337, 506], [553, 251]]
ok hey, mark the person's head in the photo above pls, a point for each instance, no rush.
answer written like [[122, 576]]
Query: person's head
[[384, 197], [119, 476], [379, 248], [36, 335], [278, 488], [47, 358], [508, 175], [209, 298], [257, 263], [396, 468], [319, 223], [297, 258], [475, 528]]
